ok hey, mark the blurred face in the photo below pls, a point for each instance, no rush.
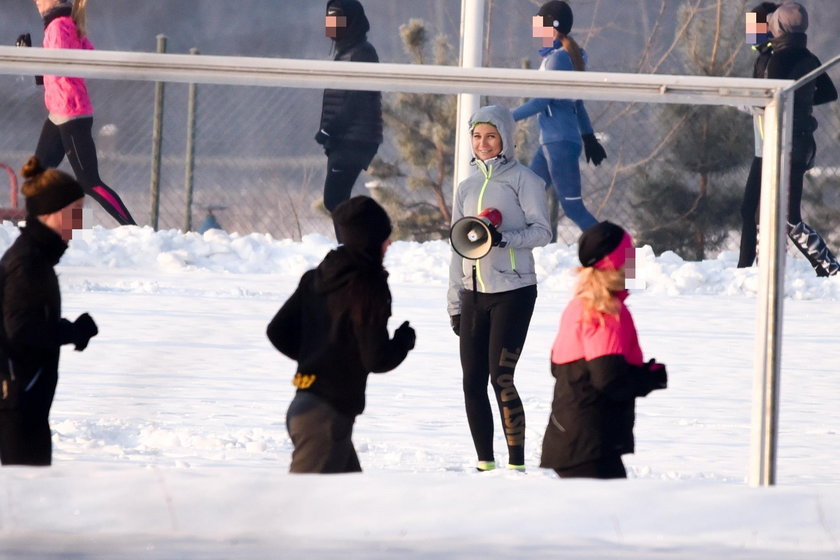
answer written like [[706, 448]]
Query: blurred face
[[65, 220], [486, 141], [757, 32], [45, 5], [543, 28], [334, 24], [385, 245]]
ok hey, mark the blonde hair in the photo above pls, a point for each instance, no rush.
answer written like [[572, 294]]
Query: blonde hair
[[80, 17], [597, 288], [574, 51]]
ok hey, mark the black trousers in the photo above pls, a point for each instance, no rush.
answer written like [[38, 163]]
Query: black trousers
[[322, 437], [607, 467], [493, 331], [750, 202], [345, 161], [74, 138], [25, 437]]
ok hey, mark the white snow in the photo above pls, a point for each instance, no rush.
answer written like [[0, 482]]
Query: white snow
[[170, 442]]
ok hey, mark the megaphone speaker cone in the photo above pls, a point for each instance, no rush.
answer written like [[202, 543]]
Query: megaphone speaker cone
[[470, 237]]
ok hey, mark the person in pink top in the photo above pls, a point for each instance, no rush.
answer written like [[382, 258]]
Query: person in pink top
[[67, 129], [598, 365]]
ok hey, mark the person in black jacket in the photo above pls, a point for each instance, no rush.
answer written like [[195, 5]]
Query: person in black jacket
[[33, 331], [787, 57], [335, 325], [351, 121]]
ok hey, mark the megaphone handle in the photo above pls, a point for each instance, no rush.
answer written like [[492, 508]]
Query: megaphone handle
[[475, 284]]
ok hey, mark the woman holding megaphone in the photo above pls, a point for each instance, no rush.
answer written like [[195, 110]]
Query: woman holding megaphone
[[499, 216]]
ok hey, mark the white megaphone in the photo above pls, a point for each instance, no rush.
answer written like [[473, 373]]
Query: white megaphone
[[471, 236]]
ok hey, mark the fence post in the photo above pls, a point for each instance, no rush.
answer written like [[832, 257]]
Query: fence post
[[775, 178], [157, 139], [190, 152]]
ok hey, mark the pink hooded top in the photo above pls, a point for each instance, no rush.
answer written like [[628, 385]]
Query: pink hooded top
[[600, 334], [66, 97]]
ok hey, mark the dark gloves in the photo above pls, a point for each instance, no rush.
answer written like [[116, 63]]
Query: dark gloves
[[593, 150], [322, 137], [455, 323], [23, 40], [655, 377], [495, 236], [405, 336], [83, 330]]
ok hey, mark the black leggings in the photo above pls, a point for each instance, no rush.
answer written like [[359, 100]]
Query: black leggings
[[345, 162], [74, 139], [493, 331], [749, 207]]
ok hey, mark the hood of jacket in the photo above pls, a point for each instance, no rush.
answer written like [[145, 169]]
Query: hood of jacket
[[502, 119], [342, 266], [357, 23]]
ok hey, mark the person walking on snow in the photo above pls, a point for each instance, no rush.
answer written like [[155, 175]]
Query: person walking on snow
[[490, 300], [67, 129], [351, 121], [564, 124], [597, 365], [32, 330], [335, 325], [790, 59]]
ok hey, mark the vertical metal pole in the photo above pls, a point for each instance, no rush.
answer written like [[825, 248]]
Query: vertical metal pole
[[157, 139], [775, 180], [190, 153], [472, 37]]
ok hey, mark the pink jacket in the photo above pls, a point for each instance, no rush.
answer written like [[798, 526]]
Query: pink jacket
[[578, 339], [63, 96]]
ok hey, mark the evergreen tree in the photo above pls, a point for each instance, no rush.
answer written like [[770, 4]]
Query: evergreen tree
[[690, 202]]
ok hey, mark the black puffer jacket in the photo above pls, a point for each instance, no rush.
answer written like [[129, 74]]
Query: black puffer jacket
[[334, 350], [32, 330], [354, 116], [792, 60]]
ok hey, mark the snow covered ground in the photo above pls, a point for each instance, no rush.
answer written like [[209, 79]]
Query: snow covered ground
[[169, 436]]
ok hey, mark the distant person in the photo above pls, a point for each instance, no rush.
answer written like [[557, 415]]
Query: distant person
[[490, 300], [33, 331], [785, 56], [351, 121], [597, 365], [335, 325], [67, 129], [564, 124]]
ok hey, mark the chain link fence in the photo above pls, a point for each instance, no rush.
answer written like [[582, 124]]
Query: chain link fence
[[258, 169]]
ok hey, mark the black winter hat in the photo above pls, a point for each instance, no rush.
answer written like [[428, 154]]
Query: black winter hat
[[599, 241], [48, 190], [357, 22], [560, 14], [362, 224]]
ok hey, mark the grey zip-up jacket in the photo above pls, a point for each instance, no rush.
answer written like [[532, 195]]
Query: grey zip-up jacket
[[519, 194]]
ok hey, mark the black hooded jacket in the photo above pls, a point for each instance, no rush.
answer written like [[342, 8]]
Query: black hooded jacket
[[792, 60], [352, 116], [336, 349], [33, 330]]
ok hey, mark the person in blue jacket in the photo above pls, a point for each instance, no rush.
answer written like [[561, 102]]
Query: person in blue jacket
[[565, 128]]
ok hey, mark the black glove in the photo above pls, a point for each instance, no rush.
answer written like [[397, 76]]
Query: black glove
[[24, 40], [455, 323], [405, 335], [322, 137], [495, 236], [593, 150], [83, 330], [655, 377]]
